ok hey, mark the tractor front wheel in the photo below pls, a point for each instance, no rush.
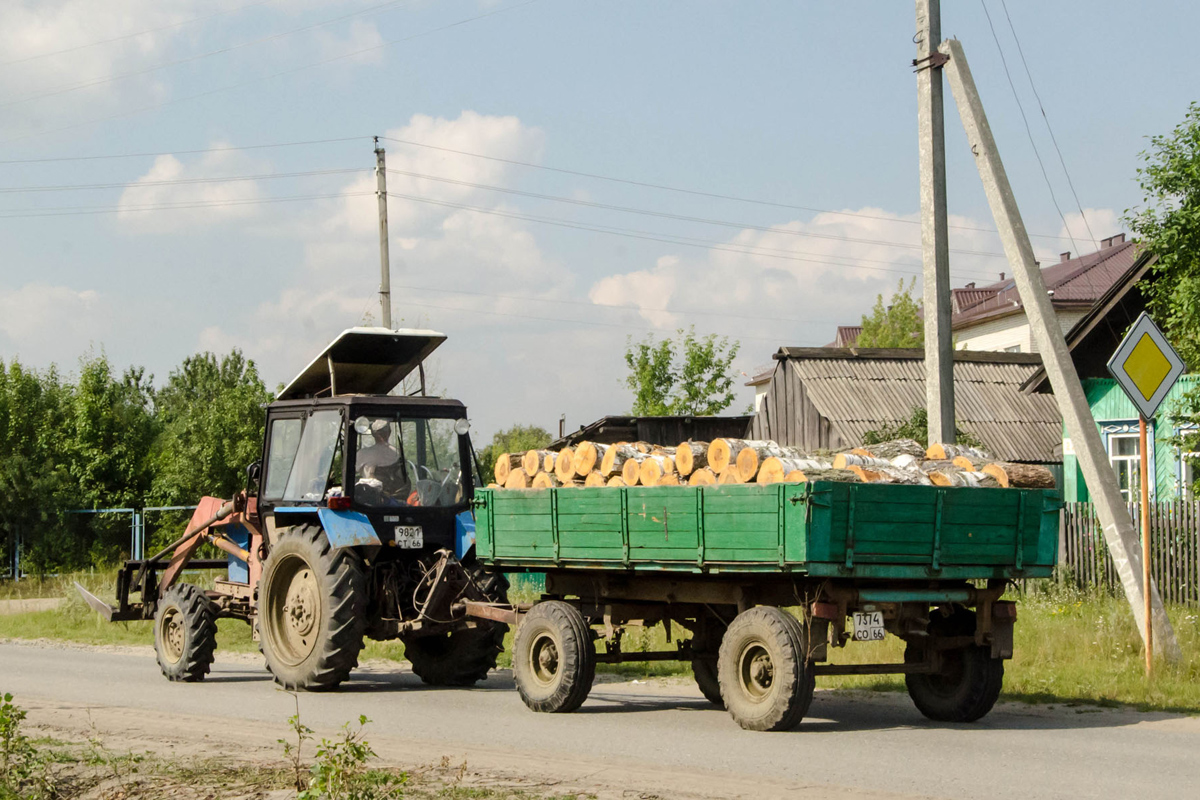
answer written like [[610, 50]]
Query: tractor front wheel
[[185, 633], [969, 680], [311, 610]]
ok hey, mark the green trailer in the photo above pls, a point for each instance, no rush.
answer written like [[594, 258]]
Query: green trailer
[[853, 561]]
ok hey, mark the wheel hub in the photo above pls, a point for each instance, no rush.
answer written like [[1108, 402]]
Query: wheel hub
[[293, 610], [300, 607], [544, 660], [172, 634], [756, 672]]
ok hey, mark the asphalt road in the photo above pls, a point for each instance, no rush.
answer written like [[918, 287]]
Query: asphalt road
[[657, 739]]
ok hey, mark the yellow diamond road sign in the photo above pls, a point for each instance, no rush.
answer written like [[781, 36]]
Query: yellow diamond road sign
[[1146, 365]]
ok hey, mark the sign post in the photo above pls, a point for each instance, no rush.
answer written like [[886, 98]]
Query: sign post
[[1146, 367]]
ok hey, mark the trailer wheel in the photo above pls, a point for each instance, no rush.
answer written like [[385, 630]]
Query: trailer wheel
[[554, 659], [311, 610], [763, 670], [969, 682], [185, 633]]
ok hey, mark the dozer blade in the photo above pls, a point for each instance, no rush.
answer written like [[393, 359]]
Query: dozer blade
[[104, 609]]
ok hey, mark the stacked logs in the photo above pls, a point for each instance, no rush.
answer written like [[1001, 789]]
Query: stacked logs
[[731, 461]]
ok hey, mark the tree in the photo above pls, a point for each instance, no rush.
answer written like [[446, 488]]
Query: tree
[[1169, 227], [898, 324], [516, 439], [686, 375], [915, 427], [211, 418]]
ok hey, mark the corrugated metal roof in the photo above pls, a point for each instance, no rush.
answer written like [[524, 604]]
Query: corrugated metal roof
[[859, 392]]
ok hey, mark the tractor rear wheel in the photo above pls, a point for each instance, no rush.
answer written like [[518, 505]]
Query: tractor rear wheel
[[706, 645], [461, 658], [185, 633], [311, 610]]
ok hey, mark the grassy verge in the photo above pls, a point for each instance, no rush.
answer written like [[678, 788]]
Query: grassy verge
[[1070, 647]]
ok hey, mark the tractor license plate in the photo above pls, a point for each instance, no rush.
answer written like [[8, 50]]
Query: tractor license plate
[[410, 536], [868, 626]]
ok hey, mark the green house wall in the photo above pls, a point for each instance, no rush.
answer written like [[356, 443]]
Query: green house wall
[[1111, 408]]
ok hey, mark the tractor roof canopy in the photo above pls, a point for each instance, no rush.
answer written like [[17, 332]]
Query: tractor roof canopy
[[369, 361]]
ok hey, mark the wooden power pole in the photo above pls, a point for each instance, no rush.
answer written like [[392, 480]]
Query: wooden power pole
[[385, 260], [1119, 533], [935, 246]]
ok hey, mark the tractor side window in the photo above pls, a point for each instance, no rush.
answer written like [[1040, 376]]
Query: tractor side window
[[310, 473], [285, 439]]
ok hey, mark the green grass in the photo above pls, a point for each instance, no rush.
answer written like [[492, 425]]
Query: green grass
[[1070, 647]]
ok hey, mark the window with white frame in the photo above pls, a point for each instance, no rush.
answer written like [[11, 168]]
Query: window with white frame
[[1124, 454]]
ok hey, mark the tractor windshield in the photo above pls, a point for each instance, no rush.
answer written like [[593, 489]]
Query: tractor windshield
[[402, 461], [312, 470]]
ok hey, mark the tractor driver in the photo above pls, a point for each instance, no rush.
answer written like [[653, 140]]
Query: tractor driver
[[378, 464]]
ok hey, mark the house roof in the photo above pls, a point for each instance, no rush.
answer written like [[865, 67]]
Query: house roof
[[847, 336], [666, 430], [1095, 337], [858, 390], [1074, 283]]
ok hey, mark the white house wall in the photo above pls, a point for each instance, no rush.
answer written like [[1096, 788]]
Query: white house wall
[[1004, 333]]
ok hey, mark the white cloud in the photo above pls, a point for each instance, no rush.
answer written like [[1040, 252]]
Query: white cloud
[[1102, 222], [198, 199], [362, 36], [40, 323]]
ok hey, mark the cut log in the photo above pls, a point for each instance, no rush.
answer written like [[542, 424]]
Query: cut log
[[702, 477], [614, 459], [730, 476], [887, 474], [652, 468], [847, 460], [945, 452], [616, 480], [544, 480], [813, 475], [1020, 476], [957, 477], [643, 447], [690, 456], [908, 462], [506, 463], [494, 486], [723, 453], [517, 479], [548, 461], [889, 450], [669, 479], [968, 464], [663, 450], [594, 478], [564, 464], [631, 469], [932, 466], [532, 461], [775, 470], [588, 456], [750, 458]]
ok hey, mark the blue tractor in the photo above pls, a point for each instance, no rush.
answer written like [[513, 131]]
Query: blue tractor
[[356, 523]]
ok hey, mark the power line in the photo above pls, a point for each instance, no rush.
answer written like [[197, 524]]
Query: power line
[[1045, 118], [680, 190], [68, 211], [136, 34], [643, 235], [1028, 130], [269, 76], [223, 149], [179, 181], [66, 88], [681, 217]]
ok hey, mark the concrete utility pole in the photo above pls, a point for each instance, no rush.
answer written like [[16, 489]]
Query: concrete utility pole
[[385, 260], [1101, 481], [935, 245]]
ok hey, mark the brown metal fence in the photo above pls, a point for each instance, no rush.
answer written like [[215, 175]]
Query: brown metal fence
[[1174, 549]]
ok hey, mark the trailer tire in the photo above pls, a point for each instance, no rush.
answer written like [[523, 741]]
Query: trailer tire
[[311, 610], [969, 682], [554, 658], [763, 670], [185, 633]]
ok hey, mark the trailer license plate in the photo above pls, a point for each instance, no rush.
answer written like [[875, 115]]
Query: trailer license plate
[[410, 536], [868, 626]]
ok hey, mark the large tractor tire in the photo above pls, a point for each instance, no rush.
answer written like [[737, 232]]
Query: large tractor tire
[[969, 681], [706, 646], [185, 633], [763, 670], [311, 610], [554, 658]]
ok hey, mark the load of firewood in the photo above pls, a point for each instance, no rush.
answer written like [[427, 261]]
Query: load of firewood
[[725, 461]]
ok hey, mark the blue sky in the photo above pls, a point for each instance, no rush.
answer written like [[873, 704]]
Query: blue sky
[[810, 106]]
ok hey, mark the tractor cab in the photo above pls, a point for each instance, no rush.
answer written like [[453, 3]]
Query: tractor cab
[[375, 468]]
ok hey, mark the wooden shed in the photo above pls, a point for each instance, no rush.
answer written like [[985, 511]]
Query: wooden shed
[[656, 430], [828, 398]]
